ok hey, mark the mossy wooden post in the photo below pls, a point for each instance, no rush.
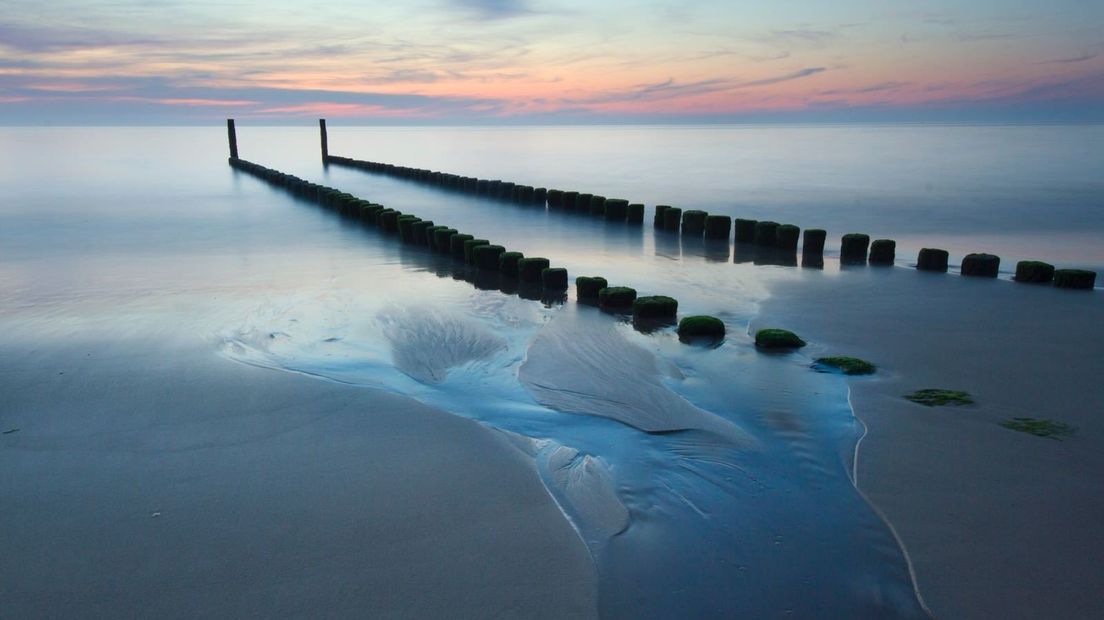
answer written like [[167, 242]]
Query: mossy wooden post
[[932, 259], [1081, 279], [567, 202], [659, 211], [672, 217], [1034, 272], [786, 236], [488, 256], [587, 287], [980, 265], [529, 269], [853, 248], [582, 203], [232, 136], [508, 263], [555, 197], [635, 213], [420, 231], [701, 328], [655, 307], [616, 209], [598, 205], [812, 244], [693, 222], [469, 249], [718, 227], [554, 278], [883, 252], [325, 142], [744, 230], [456, 245], [442, 240], [406, 228], [616, 297], [766, 233]]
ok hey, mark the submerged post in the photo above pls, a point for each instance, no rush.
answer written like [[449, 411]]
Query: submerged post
[[233, 137], [325, 143]]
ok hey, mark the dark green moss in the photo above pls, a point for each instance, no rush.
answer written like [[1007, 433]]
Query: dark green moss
[[812, 243], [1034, 272], [469, 249], [568, 201], [932, 259], [616, 297], [718, 227], [701, 327], [853, 248], [442, 239], [388, 220], [933, 397], [658, 219], [634, 213], [655, 307], [431, 236], [744, 230], [554, 278], [849, 365], [616, 209], [529, 269], [1075, 278], [766, 233], [672, 217], [406, 228], [883, 252], [693, 222], [456, 245], [981, 265], [1040, 427], [786, 236], [487, 256], [772, 338], [587, 287], [582, 203], [508, 263], [598, 205]]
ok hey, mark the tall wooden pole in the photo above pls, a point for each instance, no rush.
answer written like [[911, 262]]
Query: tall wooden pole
[[325, 143], [233, 137]]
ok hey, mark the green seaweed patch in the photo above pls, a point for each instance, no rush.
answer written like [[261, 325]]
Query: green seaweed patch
[[773, 338], [938, 398], [701, 327], [848, 365], [588, 286], [616, 297], [1050, 429], [655, 307]]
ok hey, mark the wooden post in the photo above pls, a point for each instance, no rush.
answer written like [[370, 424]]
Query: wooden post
[[325, 143], [233, 137]]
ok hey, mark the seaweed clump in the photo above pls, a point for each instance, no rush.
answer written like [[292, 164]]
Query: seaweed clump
[[1040, 428], [701, 327], [655, 307], [773, 338], [848, 365], [933, 397], [616, 297]]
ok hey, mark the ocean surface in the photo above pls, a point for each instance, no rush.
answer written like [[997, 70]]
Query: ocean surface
[[704, 480]]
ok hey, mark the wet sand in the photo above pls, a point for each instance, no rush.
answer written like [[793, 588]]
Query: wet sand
[[997, 523], [160, 480]]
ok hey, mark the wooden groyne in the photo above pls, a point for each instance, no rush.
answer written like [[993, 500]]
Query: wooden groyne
[[530, 277], [764, 242]]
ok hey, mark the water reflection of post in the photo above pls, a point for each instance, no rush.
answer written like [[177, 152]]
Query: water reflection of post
[[667, 244]]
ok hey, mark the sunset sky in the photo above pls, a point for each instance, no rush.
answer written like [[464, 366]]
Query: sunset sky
[[518, 61]]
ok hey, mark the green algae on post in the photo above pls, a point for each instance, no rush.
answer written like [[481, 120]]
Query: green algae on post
[[487, 256], [672, 216], [554, 278], [456, 245], [786, 236], [1050, 429], [442, 239], [848, 365], [635, 213], [658, 220], [655, 307], [1075, 278], [616, 297], [718, 227], [529, 269], [744, 230], [508, 262], [693, 222], [932, 259], [934, 397], [587, 287], [1034, 272], [883, 252], [469, 249], [773, 338], [700, 327], [766, 233], [853, 248], [616, 209], [981, 265]]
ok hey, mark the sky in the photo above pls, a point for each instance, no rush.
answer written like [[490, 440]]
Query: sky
[[79, 62]]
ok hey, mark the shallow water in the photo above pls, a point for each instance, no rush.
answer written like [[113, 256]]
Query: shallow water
[[704, 480]]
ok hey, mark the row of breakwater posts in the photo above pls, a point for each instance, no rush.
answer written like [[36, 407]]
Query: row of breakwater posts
[[647, 312], [759, 236]]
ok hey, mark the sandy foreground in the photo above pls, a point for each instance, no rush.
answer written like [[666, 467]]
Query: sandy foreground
[[997, 523], [141, 479]]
